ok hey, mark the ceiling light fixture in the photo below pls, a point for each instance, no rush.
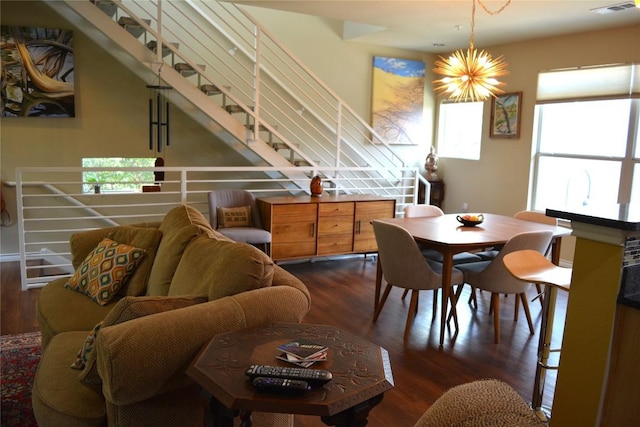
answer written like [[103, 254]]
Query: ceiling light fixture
[[471, 74]]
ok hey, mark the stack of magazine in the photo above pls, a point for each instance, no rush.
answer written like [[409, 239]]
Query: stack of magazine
[[302, 352]]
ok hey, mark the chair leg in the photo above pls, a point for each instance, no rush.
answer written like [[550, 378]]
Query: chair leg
[[453, 311], [413, 306], [525, 305], [516, 309], [435, 305], [385, 294], [404, 294], [540, 294], [495, 300]]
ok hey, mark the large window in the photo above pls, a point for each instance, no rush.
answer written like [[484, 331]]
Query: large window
[[587, 134], [116, 180], [460, 129]]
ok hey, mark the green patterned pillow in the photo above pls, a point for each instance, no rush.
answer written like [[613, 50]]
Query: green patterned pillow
[[105, 270]]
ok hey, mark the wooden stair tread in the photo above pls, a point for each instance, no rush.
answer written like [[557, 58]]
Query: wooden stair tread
[[232, 109], [107, 6], [153, 46], [185, 69], [132, 26]]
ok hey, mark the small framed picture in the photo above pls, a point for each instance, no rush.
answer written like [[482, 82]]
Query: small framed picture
[[505, 116]]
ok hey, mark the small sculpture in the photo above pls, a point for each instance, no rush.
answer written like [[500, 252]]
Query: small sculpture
[[431, 164], [316, 186]]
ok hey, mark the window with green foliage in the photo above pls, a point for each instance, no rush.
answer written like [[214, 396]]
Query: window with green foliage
[[116, 181]]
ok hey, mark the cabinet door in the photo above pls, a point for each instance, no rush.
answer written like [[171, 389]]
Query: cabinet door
[[335, 228], [294, 229], [364, 239]]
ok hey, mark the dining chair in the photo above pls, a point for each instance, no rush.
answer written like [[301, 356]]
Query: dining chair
[[533, 216], [234, 213], [492, 275], [404, 266]]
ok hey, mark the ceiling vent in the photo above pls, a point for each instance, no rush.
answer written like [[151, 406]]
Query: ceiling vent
[[614, 8]]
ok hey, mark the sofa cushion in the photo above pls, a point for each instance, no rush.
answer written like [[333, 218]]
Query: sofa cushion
[[126, 309], [234, 217], [217, 268], [179, 226], [58, 397], [105, 270], [143, 238]]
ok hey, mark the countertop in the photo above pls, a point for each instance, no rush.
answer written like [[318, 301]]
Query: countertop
[[621, 216]]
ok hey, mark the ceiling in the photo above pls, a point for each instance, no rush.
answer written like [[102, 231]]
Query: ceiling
[[442, 26]]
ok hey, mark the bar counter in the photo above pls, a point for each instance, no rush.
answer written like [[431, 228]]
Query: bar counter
[[598, 381]]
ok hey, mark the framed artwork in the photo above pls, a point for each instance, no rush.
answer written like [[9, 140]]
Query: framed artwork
[[505, 116], [398, 100], [37, 72]]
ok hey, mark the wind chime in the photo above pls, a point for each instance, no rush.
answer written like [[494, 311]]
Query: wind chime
[[158, 115]]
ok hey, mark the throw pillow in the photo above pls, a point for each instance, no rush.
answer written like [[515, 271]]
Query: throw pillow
[[143, 238], [217, 268], [128, 308], [234, 217], [105, 270]]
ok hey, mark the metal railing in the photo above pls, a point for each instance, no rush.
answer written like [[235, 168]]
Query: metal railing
[[54, 203], [282, 100]]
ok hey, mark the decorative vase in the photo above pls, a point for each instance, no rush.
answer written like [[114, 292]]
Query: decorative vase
[[316, 186], [431, 165]]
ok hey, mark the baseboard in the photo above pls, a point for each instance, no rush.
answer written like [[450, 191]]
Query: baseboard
[[9, 257]]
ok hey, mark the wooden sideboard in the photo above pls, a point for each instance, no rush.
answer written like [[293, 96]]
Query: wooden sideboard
[[305, 226]]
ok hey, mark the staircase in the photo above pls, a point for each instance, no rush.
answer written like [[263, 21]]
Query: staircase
[[240, 83]]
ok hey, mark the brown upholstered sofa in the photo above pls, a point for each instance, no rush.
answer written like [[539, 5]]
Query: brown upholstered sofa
[[192, 283]]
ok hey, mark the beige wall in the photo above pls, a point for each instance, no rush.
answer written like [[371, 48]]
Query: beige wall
[[112, 106]]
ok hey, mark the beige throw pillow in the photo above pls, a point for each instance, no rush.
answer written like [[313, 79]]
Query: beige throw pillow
[[234, 217]]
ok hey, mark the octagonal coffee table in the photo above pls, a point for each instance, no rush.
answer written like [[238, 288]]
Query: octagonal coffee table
[[361, 374]]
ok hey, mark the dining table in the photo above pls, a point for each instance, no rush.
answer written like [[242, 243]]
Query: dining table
[[449, 236]]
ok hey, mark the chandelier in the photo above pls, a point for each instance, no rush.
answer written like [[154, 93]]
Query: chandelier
[[471, 74]]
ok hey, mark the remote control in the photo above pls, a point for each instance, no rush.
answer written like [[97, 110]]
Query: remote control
[[280, 385], [315, 377]]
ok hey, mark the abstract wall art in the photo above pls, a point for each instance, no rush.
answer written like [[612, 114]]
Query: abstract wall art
[[37, 72]]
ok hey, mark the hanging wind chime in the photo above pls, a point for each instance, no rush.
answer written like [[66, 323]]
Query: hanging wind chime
[[158, 115]]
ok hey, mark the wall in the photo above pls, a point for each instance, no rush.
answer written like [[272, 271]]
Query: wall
[[112, 106]]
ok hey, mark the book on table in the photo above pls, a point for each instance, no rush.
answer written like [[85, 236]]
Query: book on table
[[302, 352]]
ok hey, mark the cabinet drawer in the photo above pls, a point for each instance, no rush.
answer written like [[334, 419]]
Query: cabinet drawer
[[335, 225], [293, 250], [335, 244], [331, 209], [284, 214], [293, 232]]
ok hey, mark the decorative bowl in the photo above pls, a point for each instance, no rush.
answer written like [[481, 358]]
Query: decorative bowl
[[470, 220]]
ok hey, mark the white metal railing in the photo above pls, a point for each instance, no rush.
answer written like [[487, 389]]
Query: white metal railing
[[253, 70], [53, 204]]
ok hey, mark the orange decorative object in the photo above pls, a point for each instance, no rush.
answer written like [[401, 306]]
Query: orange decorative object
[[316, 186]]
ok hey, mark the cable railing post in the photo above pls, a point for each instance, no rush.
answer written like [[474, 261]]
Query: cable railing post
[[257, 82], [159, 31], [338, 134]]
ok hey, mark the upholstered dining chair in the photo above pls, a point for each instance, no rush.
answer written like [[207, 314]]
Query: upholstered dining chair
[[404, 266], [234, 213], [526, 215], [492, 275]]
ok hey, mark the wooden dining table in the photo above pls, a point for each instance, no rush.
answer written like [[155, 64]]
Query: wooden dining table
[[448, 236]]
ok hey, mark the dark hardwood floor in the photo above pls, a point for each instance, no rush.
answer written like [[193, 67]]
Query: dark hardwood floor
[[342, 294]]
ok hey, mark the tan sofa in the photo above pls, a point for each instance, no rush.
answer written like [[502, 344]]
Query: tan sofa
[[191, 284]]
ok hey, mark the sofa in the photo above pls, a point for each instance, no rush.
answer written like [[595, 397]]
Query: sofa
[[116, 343]]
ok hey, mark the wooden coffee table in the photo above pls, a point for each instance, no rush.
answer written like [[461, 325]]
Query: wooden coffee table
[[361, 374]]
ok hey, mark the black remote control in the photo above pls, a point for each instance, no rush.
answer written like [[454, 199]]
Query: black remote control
[[280, 385], [315, 377]]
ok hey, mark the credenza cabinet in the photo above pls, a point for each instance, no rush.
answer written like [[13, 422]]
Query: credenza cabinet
[[304, 226]]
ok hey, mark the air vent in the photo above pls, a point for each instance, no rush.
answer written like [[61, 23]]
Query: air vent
[[614, 8]]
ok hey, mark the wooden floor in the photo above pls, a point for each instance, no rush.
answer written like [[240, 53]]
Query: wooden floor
[[342, 295]]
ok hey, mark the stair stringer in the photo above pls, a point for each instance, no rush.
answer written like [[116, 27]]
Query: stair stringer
[[143, 62]]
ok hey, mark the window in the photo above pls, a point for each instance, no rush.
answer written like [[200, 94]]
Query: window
[[587, 139], [124, 181], [454, 140]]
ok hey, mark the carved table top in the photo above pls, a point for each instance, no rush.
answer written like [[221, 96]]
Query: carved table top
[[361, 369]]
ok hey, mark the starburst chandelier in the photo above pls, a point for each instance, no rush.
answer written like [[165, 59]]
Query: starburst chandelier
[[471, 74]]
